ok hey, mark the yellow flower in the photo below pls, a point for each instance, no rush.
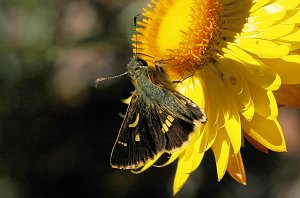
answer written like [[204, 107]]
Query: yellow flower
[[239, 59]]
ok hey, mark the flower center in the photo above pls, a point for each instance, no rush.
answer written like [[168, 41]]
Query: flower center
[[181, 34]]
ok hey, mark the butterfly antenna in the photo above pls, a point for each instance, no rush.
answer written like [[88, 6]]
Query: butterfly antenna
[[136, 41], [135, 32], [99, 80]]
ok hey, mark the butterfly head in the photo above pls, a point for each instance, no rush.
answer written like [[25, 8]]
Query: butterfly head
[[136, 67]]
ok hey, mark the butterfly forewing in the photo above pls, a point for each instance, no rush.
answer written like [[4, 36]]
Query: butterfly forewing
[[140, 138]]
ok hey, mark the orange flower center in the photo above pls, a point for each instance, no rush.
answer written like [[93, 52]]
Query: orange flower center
[[180, 34]]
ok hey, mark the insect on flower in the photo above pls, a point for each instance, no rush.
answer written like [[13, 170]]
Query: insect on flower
[[158, 119]]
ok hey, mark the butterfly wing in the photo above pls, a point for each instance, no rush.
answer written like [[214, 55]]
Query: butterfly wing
[[140, 138], [179, 115], [180, 124], [150, 128]]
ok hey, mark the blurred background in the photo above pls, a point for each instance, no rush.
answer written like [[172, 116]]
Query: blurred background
[[57, 130]]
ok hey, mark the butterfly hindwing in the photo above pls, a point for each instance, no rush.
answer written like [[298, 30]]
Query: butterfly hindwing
[[196, 112], [178, 125], [175, 130], [140, 138]]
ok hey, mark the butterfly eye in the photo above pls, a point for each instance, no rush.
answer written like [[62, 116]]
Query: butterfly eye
[[142, 62]]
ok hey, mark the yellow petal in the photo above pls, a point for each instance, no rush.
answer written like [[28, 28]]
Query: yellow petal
[[263, 48], [192, 88], [273, 12], [293, 17], [179, 180], [147, 165], [192, 157], [172, 158], [266, 77], [293, 45], [188, 161], [288, 5], [221, 92], [276, 31], [256, 72], [236, 168], [209, 132], [233, 128], [258, 4], [221, 149], [266, 132], [295, 36], [288, 95], [264, 17], [235, 53], [237, 86], [213, 108], [186, 165], [255, 143], [264, 102], [248, 113], [288, 68]]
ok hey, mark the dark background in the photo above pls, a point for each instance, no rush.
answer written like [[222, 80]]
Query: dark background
[[57, 130]]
